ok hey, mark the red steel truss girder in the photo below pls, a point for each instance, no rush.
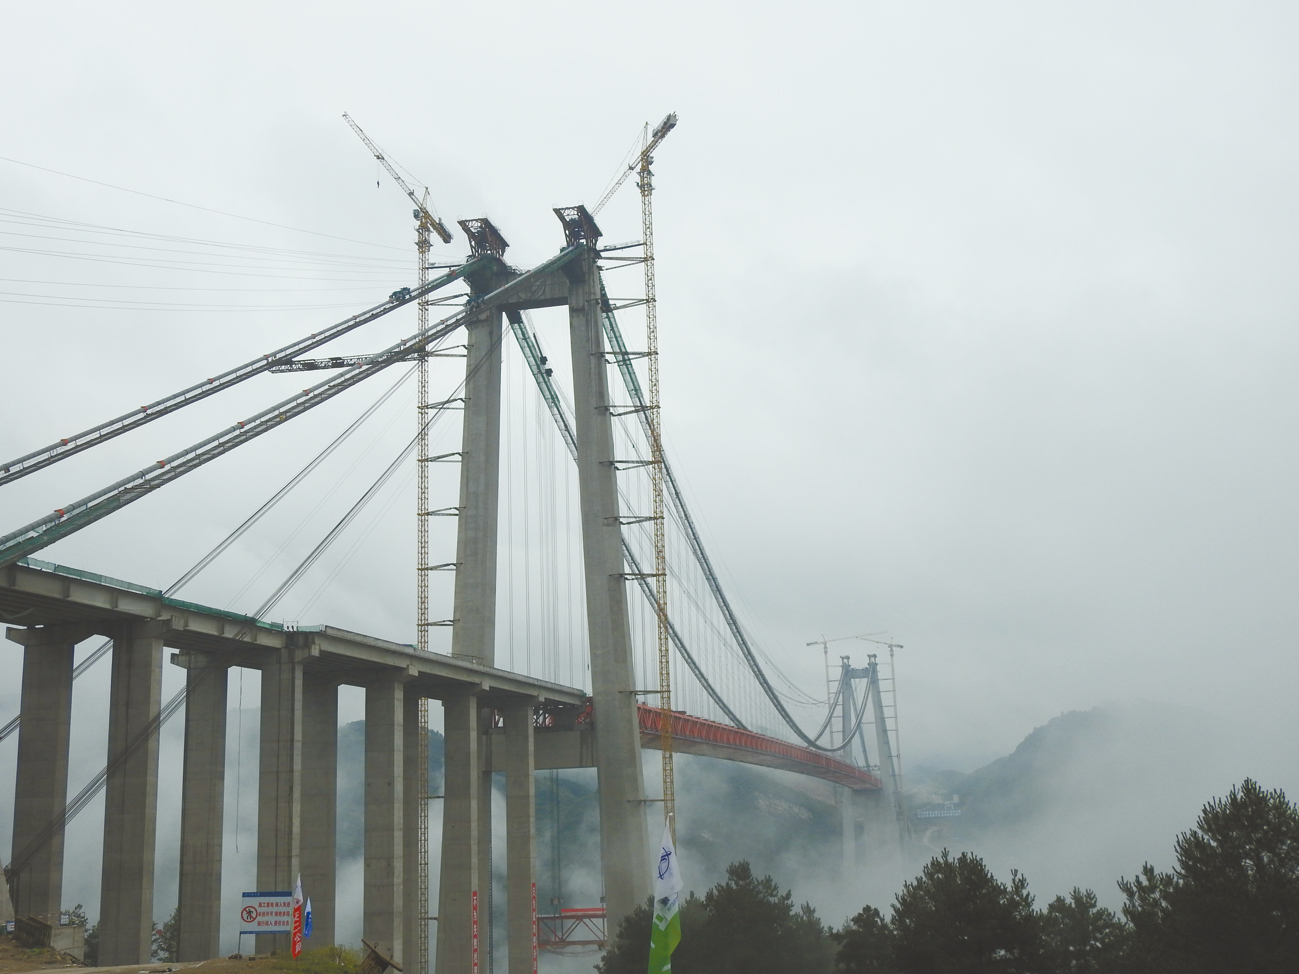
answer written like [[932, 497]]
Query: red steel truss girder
[[820, 764]]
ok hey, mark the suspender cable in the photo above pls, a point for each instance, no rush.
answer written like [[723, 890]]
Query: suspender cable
[[692, 535], [532, 356]]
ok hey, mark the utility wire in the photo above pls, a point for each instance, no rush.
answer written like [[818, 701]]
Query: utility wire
[[39, 459], [195, 206]]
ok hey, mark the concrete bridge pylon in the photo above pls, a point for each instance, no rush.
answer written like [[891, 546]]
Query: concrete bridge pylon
[[465, 909]]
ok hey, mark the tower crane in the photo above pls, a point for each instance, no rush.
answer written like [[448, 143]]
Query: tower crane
[[426, 216], [643, 160], [641, 166], [427, 223]]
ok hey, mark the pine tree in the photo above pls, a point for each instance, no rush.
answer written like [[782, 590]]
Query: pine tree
[[1232, 901], [957, 917]]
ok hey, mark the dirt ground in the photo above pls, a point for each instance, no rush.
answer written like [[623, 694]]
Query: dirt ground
[[14, 959]]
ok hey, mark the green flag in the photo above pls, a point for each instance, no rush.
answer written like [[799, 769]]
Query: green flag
[[665, 931]]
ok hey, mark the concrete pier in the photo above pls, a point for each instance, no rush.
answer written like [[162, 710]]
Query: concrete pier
[[41, 786], [131, 795], [279, 786], [458, 942], [320, 802], [413, 808], [202, 806], [385, 865], [520, 838], [624, 842]]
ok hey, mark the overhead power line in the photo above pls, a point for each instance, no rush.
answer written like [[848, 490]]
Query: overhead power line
[[195, 206]]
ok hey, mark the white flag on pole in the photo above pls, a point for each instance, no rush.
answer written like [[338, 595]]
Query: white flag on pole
[[667, 875]]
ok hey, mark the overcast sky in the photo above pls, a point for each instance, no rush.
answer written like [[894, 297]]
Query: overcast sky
[[978, 320]]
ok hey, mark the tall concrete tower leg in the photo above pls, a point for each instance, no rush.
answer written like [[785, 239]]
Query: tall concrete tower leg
[[41, 785], [624, 842], [848, 824], [458, 945], [279, 787], [521, 838], [385, 862], [888, 767], [320, 802], [131, 797], [202, 807], [474, 629], [412, 810]]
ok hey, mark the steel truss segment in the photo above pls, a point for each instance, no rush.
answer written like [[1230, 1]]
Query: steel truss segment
[[441, 512], [84, 440], [627, 410], [442, 458], [72, 517]]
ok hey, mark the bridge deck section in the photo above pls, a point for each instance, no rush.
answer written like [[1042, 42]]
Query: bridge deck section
[[35, 593], [694, 735]]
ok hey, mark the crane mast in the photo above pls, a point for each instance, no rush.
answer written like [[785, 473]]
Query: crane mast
[[646, 185], [427, 223]]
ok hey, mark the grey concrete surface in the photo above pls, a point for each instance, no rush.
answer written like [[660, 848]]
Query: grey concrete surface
[[624, 843], [520, 838], [385, 866], [41, 786], [131, 795], [458, 943], [202, 807], [320, 801], [279, 787]]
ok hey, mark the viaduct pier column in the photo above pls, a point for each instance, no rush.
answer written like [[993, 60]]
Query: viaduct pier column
[[624, 842], [202, 807], [384, 920], [458, 941], [131, 795], [413, 810], [320, 802], [521, 837], [279, 785], [41, 785]]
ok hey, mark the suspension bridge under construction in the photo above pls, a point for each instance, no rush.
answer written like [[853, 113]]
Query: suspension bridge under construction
[[632, 672]]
